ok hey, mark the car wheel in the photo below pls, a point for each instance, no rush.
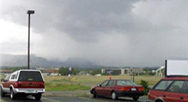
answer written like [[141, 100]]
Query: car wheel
[[24, 96], [135, 98], [158, 101], [12, 95], [114, 95], [2, 93], [94, 94], [38, 97]]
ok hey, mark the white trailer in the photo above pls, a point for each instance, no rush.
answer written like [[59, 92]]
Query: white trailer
[[176, 68]]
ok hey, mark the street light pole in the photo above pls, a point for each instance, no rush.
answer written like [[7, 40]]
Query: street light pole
[[29, 12]]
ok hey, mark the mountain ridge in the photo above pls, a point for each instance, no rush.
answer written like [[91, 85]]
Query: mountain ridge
[[8, 60]]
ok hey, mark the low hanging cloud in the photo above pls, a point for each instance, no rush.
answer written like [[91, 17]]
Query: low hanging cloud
[[108, 32]]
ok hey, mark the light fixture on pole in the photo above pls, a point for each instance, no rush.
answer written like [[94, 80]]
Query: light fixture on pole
[[29, 12]]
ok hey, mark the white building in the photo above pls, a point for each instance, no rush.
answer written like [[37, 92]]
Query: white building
[[160, 71]]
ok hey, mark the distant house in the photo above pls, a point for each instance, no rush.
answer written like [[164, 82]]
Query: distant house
[[5, 71], [123, 71], [83, 73], [137, 71], [119, 71], [52, 71]]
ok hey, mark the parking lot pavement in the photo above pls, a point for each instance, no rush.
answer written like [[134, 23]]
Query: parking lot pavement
[[72, 99], [47, 99]]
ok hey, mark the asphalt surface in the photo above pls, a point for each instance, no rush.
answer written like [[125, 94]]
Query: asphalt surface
[[71, 99]]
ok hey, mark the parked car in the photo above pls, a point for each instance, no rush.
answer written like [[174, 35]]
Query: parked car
[[170, 89], [118, 88], [23, 82]]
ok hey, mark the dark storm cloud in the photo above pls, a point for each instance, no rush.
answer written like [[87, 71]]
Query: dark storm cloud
[[109, 32], [86, 18], [83, 20]]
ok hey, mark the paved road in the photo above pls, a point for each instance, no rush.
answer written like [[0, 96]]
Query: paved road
[[71, 99]]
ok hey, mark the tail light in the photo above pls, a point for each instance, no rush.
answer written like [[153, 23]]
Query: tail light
[[21, 85], [17, 85], [125, 89], [42, 85], [141, 89]]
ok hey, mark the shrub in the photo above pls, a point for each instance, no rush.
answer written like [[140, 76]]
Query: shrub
[[145, 84]]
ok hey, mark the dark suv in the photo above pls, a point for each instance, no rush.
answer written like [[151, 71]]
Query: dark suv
[[170, 89], [23, 82]]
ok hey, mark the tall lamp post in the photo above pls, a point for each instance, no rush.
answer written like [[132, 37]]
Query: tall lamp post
[[29, 12]]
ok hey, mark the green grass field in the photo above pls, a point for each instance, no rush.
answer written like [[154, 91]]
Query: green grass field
[[64, 83], [65, 87]]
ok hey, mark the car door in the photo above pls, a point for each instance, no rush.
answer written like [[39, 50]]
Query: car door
[[6, 84], [159, 90], [100, 89], [184, 92], [173, 93], [108, 89]]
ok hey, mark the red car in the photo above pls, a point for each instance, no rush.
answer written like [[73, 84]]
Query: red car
[[170, 89], [118, 88], [23, 82]]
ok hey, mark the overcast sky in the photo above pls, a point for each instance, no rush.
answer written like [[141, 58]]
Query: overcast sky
[[107, 32]]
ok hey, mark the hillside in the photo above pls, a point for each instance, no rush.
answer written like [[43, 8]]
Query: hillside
[[21, 60]]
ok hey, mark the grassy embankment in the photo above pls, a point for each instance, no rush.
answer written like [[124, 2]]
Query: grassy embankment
[[62, 83]]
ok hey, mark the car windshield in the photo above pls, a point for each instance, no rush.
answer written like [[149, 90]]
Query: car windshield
[[30, 76], [125, 83]]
